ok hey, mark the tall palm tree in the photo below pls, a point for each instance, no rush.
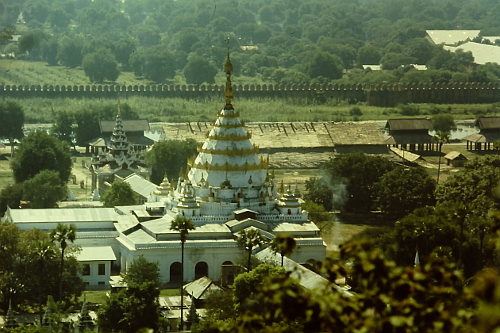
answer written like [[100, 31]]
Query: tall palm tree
[[283, 244], [250, 238], [441, 138], [182, 225], [62, 234]]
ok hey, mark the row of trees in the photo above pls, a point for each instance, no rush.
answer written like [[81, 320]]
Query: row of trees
[[454, 215], [385, 297], [360, 183], [299, 43]]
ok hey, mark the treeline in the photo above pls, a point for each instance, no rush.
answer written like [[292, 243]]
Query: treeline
[[286, 42]]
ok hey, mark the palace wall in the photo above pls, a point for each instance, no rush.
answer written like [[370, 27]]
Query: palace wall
[[373, 94]]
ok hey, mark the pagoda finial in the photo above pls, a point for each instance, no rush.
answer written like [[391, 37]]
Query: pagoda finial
[[228, 91], [119, 111]]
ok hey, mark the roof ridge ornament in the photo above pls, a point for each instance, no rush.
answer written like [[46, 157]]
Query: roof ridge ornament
[[228, 91]]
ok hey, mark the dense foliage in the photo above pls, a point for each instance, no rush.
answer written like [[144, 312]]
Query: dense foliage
[[294, 41], [11, 121], [168, 158], [348, 182], [431, 297], [119, 194], [135, 307], [40, 151], [44, 190], [25, 257]]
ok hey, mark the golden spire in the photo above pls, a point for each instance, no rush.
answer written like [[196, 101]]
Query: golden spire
[[228, 91]]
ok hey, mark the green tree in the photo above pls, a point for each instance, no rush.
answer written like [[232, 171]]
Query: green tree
[[29, 44], [199, 70], [61, 235], [10, 196], [25, 257], [101, 65], [324, 64], [284, 245], [124, 47], [158, 63], [49, 51], [40, 151], [87, 126], [319, 191], [142, 271], [443, 123], [44, 190], [354, 177], [63, 127], [6, 35], [250, 239], [441, 138], [477, 180], [119, 194], [395, 60], [368, 55], [59, 18], [136, 307], [182, 225], [169, 157], [246, 286], [69, 51], [401, 190], [11, 122]]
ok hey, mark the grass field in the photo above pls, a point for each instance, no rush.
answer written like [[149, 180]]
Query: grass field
[[43, 110]]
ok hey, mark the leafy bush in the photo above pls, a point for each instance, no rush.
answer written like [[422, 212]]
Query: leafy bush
[[409, 110]]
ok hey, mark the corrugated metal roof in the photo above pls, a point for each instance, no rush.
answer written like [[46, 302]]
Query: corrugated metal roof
[[96, 253], [482, 53], [409, 124], [200, 288], [451, 37], [63, 215], [140, 125], [140, 185]]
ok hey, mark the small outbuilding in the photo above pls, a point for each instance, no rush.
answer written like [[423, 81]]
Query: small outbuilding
[[410, 134], [455, 159], [489, 132]]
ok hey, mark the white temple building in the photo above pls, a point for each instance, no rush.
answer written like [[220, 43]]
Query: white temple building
[[228, 189]]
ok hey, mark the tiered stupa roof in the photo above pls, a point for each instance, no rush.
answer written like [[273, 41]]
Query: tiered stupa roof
[[228, 158], [119, 142]]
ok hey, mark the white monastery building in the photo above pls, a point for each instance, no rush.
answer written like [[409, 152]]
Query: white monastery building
[[228, 189]]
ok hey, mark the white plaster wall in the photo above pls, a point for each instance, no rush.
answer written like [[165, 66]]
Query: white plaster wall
[[93, 279]]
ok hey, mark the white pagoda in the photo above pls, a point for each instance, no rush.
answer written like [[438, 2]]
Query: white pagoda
[[227, 189]]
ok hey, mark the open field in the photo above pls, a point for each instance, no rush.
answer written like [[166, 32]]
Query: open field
[[43, 110]]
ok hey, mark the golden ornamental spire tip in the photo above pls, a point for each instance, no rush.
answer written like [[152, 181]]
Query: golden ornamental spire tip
[[228, 67]]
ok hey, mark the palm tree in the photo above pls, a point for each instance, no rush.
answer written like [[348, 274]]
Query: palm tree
[[283, 244], [61, 234], [250, 238], [441, 138], [182, 225]]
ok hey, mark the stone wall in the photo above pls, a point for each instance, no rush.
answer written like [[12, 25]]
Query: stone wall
[[378, 95]]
